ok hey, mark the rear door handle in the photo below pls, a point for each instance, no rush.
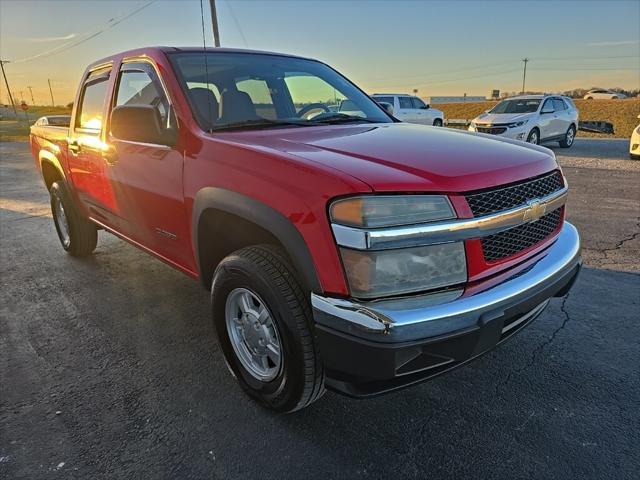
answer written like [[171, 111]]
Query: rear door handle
[[74, 146]]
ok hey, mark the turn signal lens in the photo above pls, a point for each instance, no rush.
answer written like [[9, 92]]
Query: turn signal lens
[[390, 210]]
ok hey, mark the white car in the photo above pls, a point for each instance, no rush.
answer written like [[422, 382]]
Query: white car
[[634, 144], [599, 94], [411, 109], [531, 118]]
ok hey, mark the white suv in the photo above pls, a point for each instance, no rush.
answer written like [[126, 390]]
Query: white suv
[[531, 118], [411, 109]]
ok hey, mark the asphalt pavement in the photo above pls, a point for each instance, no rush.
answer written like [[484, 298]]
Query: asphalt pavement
[[109, 367]]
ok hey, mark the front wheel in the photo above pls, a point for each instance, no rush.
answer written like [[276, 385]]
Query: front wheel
[[264, 324], [77, 235], [569, 137], [534, 136], [437, 122]]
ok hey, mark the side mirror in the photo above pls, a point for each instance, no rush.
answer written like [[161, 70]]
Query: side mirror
[[140, 123], [387, 107], [547, 110], [426, 107]]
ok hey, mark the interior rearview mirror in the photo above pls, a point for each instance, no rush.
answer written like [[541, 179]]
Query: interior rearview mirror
[[140, 123]]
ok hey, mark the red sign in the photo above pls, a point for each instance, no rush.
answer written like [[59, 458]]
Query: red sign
[[24, 106]]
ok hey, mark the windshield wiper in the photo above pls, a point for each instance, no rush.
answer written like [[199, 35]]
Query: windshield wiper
[[261, 123], [342, 118]]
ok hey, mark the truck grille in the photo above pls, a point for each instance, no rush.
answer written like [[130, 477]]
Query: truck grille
[[516, 239], [504, 198], [492, 130]]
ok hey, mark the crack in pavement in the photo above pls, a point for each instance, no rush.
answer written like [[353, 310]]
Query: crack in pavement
[[619, 244], [536, 351]]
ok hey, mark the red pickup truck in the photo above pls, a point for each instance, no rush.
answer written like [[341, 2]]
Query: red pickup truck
[[343, 250]]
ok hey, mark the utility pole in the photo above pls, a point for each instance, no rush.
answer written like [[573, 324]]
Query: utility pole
[[33, 102], [214, 23], [13, 104], [53, 104], [524, 74]]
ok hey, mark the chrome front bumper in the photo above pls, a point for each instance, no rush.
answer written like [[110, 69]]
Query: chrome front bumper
[[427, 316]]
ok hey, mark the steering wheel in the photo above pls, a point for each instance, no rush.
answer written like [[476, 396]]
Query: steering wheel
[[310, 108]]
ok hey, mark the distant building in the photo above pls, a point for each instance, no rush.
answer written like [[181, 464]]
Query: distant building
[[460, 99]]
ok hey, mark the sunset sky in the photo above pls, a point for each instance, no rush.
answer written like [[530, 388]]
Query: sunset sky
[[440, 48]]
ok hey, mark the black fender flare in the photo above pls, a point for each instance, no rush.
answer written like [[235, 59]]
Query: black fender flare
[[265, 217]]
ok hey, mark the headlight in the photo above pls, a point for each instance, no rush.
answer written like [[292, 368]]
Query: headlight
[[517, 124], [473, 125], [390, 210], [394, 271]]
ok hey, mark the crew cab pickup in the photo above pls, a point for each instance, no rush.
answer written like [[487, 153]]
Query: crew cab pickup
[[347, 251]]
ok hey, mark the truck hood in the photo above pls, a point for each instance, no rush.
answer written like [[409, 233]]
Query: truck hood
[[402, 157], [496, 118]]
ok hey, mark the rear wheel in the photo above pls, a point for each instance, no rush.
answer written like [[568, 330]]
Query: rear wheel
[[589, 98], [264, 324], [534, 136], [77, 235], [437, 122], [569, 137]]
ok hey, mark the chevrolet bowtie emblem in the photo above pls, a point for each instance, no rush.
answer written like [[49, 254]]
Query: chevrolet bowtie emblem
[[534, 211]]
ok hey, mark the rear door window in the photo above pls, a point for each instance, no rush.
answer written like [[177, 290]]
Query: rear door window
[[91, 109]]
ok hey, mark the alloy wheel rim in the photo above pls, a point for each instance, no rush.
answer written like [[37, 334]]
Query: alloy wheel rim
[[570, 136], [61, 220], [534, 138], [253, 334]]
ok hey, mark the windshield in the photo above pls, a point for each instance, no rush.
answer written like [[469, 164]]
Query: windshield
[[249, 91], [517, 106]]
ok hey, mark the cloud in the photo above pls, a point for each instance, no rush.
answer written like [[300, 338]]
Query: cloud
[[619, 43], [50, 39]]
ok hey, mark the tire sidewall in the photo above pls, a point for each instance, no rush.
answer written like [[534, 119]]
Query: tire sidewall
[[239, 272], [58, 193]]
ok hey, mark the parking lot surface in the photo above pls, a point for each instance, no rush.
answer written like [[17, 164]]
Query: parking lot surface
[[109, 367]]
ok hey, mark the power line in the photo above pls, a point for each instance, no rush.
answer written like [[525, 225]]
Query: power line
[[235, 20], [64, 47]]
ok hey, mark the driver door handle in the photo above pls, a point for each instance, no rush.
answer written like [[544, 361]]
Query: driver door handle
[[110, 157]]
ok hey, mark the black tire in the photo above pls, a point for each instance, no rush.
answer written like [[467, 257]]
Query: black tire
[[569, 137], [437, 122], [534, 133], [634, 157], [265, 271], [82, 236], [589, 98]]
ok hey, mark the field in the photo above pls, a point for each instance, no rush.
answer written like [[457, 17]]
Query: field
[[622, 113], [12, 130]]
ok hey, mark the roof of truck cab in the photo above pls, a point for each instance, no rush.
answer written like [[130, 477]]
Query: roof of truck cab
[[164, 49]]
